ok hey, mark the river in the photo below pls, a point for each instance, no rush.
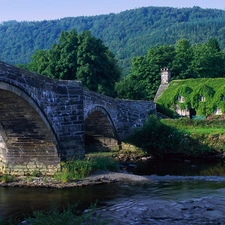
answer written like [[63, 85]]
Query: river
[[187, 197]]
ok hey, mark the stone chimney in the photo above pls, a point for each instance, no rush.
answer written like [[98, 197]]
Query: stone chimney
[[165, 79], [165, 76]]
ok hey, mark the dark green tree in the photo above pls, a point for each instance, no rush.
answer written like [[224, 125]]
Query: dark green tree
[[144, 79], [181, 65], [208, 61], [79, 57], [97, 67], [39, 62], [213, 43]]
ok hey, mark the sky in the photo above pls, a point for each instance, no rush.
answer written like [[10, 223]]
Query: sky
[[36, 10]]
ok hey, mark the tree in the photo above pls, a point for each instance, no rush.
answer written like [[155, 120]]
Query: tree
[[97, 67], [182, 60], [208, 61], [213, 43], [81, 57], [40, 62], [144, 78]]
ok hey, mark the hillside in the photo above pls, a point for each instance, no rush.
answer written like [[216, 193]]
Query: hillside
[[127, 34]]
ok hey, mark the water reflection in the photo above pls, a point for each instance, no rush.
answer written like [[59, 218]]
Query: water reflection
[[182, 167], [19, 201]]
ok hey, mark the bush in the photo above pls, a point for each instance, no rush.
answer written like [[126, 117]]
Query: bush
[[158, 139], [9, 222], [104, 163]]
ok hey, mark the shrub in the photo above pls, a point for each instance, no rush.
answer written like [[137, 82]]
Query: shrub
[[159, 139], [9, 222], [153, 137], [104, 163]]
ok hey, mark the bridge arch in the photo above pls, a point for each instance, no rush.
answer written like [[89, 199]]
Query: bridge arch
[[27, 140], [99, 129]]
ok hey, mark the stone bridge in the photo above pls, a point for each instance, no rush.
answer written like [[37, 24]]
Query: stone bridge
[[44, 121]]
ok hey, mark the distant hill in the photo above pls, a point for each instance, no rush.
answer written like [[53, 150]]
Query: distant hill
[[127, 34]]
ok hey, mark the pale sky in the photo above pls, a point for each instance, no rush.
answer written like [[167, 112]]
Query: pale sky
[[33, 10]]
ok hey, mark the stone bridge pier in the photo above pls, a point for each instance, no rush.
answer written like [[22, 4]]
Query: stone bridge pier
[[45, 121]]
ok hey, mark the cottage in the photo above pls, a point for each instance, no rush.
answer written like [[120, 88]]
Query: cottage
[[191, 97]]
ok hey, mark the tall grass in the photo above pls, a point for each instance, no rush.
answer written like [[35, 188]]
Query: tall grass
[[197, 126], [78, 169], [6, 178], [68, 216]]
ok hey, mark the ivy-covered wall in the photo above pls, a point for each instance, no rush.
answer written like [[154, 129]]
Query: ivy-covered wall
[[204, 95]]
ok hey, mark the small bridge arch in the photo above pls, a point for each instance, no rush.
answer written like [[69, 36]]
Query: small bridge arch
[[99, 129]]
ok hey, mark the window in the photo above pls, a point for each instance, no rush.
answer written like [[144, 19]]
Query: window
[[180, 99], [201, 98], [218, 111]]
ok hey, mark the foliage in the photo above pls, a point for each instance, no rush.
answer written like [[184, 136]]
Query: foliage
[[128, 34], [144, 79], [181, 137], [130, 88], [11, 221], [159, 140], [68, 216], [166, 111], [207, 61], [78, 169], [185, 124], [104, 163], [79, 57], [182, 60], [207, 135], [189, 41], [205, 106], [6, 178], [192, 90], [185, 61], [185, 92], [218, 99]]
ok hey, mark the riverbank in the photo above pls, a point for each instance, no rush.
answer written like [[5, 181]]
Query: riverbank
[[103, 177], [125, 163], [97, 178]]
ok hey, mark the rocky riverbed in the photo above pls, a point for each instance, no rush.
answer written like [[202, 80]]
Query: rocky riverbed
[[145, 212]]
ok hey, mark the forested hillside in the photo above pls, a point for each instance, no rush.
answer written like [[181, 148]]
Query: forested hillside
[[127, 34]]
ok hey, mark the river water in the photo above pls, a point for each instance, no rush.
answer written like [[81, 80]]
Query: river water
[[163, 189]]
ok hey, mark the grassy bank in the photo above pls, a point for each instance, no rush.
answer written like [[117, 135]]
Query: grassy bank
[[78, 169], [208, 134], [181, 137]]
